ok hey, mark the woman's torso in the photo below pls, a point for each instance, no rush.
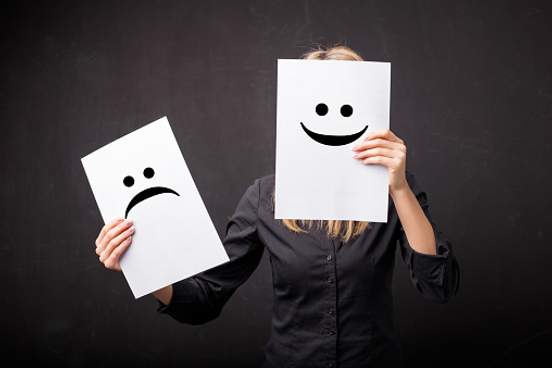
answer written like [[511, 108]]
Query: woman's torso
[[333, 301]]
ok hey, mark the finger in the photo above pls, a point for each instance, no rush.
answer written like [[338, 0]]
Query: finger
[[113, 261], [111, 230], [115, 242], [396, 138], [381, 160], [379, 142], [379, 151], [384, 133], [112, 233], [106, 228]]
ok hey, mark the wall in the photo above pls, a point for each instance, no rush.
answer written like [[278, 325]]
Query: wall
[[471, 96]]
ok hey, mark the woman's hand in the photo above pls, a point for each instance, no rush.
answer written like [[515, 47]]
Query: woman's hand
[[385, 148], [113, 240]]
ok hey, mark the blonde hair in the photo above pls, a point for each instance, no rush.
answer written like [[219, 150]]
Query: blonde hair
[[334, 228]]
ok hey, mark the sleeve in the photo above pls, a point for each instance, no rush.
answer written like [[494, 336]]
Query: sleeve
[[436, 277], [200, 298]]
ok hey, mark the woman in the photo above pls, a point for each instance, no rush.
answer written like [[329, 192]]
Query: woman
[[332, 279]]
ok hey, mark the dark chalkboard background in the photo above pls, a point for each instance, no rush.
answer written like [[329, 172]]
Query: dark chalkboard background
[[471, 96]]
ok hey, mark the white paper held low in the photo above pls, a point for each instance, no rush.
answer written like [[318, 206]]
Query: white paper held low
[[143, 176]]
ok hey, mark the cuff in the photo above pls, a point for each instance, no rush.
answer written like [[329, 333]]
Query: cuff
[[162, 308], [182, 292], [429, 267]]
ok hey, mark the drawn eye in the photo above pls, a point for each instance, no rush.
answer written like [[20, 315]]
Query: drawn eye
[[346, 110], [321, 109], [148, 172], [128, 181]]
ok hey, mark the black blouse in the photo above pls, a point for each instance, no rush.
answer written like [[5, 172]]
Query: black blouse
[[333, 302]]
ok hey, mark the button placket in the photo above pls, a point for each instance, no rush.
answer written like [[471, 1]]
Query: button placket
[[330, 329]]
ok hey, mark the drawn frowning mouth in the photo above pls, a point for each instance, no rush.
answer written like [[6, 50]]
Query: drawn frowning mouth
[[145, 194], [333, 140]]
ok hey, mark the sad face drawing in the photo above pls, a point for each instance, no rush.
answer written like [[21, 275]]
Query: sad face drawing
[[143, 176], [148, 173]]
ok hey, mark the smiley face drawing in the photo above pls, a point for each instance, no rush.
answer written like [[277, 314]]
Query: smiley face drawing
[[333, 140], [323, 108], [128, 181]]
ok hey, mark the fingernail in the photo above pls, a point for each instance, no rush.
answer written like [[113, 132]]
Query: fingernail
[[131, 229], [355, 155], [128, 222]]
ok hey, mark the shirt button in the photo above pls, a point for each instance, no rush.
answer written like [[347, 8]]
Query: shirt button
[[329, 257], [330, 280], [331, 332], [331, 312]]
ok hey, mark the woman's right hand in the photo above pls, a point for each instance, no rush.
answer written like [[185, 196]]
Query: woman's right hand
[[113, 240]]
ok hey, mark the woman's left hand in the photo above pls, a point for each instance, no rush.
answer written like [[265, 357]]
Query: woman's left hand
[[385, 148]]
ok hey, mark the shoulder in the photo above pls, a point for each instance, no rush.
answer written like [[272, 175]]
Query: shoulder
[[261, 191], [266, 182], [265, 186], [261, 187], [262, 183]]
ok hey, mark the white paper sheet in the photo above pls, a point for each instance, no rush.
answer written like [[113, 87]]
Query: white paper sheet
[[174, 236], [314, 180]]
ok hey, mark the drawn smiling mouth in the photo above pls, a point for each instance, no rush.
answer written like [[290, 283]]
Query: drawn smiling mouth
[[145, 194], [333, 140]]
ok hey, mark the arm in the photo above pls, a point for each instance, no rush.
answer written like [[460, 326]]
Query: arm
[[414, 221], [433, 267], [200, 298]]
